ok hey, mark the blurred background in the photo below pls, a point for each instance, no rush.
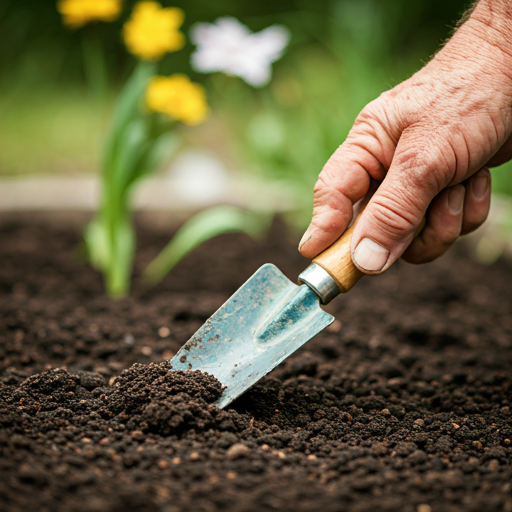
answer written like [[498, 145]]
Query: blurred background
[[263, 147]]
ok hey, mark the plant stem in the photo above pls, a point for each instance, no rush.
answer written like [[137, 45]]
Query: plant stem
[[95, 67], [122, 155]]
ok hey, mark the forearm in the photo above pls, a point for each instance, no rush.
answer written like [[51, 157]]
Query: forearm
[[479, 54], [491, 21], [496, 14]]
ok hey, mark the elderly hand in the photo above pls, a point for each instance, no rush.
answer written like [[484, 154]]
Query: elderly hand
[[428, 142]]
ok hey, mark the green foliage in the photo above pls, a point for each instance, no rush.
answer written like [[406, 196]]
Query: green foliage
[[95, 67], [135, 145], [288, 131], [55, 132], [111, 248], [201, 227], [502, 179], [37, 48]]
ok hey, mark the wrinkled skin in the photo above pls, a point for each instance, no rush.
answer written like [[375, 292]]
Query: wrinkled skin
[[427, 144]]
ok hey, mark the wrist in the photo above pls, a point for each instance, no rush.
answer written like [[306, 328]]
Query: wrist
[[481, 48], [496, 15], [491, 23]]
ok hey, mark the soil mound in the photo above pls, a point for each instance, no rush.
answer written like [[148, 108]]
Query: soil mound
[[154, 399], [144, 397]]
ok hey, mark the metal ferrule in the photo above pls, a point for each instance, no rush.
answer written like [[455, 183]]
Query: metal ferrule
[[320, 282]]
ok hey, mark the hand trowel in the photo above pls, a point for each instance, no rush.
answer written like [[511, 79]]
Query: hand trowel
[[267, 319]]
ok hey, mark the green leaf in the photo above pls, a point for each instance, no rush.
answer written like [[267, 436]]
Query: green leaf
[[131, 148], [126, 109], [97, 243], [201, 227], [120, 268], [110, 238], [112, 253], [158, 150], [95, 66]]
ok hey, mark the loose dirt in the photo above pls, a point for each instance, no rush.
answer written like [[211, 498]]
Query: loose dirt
[[403, 404]]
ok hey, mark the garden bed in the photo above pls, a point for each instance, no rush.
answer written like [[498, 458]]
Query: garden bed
[[402, 404]]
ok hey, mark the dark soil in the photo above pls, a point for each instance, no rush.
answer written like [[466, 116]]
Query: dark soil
[[403, 404]]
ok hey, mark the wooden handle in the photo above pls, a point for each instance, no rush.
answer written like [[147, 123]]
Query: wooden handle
[[336, 260]]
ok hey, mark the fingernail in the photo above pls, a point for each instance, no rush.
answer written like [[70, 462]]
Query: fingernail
[[456, 199], [370, 256], [480, 186], [306, 237]]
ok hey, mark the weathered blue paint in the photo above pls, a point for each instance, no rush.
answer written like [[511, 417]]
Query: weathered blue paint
[[267, 319]]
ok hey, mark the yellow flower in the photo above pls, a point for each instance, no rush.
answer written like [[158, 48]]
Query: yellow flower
[[177, 97], [77, 13], [153, 31]]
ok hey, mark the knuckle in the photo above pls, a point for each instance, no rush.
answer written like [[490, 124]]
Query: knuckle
[[369, 111], [435, 242], [424, 161], [339, 183], [325, 190], [320, 186], [328, 220], [439, 237], [412, 155], [417, 258], [394, 219], [323, 198], [347, 152], [445, 239], [471, 225], [427, 257], [332, 211], [372, 113], [424, 251], [474, 216], [331, 169], [426, 174]]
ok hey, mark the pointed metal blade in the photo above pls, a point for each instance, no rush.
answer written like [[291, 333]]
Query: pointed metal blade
[[265, 320]]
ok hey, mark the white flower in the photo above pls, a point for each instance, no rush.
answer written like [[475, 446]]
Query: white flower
[[230, 47]]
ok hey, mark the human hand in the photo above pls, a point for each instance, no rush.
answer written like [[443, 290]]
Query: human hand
[[428, 142]]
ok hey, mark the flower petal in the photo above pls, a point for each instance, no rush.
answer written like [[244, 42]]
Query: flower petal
[[229, 46], [176, 16]]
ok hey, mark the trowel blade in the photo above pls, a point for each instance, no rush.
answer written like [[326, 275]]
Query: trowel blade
[[265, 320]]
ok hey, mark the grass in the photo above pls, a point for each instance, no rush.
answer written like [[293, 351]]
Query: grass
[[49, 131]]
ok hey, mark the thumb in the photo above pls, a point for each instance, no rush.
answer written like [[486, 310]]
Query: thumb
[[387, 225]]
